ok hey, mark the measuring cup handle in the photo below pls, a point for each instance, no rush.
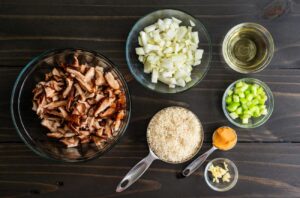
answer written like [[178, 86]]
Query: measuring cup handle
[[136, 172], [192, 167]]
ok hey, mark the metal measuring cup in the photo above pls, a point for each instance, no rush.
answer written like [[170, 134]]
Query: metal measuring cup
[[140, 168]]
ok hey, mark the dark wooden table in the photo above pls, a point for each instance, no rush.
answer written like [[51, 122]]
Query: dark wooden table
[[268, 157]]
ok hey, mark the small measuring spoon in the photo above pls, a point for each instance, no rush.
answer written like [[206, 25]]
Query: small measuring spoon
[[192, 167], [139, 169]]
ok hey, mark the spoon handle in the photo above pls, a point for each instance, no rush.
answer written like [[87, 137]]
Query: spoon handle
[[192, 167], [136, 172]]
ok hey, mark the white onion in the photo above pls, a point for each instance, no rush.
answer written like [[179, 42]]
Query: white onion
[[169, 51]]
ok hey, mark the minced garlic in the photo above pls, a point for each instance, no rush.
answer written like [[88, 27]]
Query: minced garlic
[[220, 173]]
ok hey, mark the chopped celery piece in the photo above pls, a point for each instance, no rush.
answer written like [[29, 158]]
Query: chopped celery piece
[[236, 98], [264, 112], [228, 99], [232, 107], [234, 115], [255, 101], [249, 97], [245, 101], [245, 120], [241, 95], [239, 84], [239, 110], [244, 87]]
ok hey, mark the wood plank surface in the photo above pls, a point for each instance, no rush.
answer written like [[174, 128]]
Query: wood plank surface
[[265, 170], [268, 157]]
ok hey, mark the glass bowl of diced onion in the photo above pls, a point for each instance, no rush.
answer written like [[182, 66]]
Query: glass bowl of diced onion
[[248, 103], [172, 54]]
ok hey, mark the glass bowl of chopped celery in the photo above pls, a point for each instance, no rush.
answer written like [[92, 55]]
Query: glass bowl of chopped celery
[[248, 103], [168, 51], [221, 174]]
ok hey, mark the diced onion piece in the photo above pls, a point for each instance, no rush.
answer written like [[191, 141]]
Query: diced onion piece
[[144, 38], [141, 59], [150, 28], [198, 54], [176, 20], [180, 82], [192, 23], [139, 51], [154, 76], [148, 48]]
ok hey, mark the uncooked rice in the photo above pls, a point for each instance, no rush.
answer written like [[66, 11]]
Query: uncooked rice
[[174, 134]]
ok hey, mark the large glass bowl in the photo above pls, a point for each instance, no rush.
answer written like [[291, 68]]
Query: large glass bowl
[[137, 67], [253, 122], [29, 125]]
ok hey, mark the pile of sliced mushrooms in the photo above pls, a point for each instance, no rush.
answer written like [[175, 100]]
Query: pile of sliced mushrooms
[[80, 104]]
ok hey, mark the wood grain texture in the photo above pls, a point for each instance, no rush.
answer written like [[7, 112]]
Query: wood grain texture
[[268, 157], [33, 26], [266, 169]]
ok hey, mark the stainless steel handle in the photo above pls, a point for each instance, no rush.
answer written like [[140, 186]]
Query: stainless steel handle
[[192, 167], [136, 172]]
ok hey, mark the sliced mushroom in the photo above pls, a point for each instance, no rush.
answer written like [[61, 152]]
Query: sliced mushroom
[[69, 134], [70, 100], [49, 92], [51, 125], [69, 87], [104, 105], [108, 130], [116, 127], [108, 112], [100, 80], [80, 92], [95, 99], [70, 142], [55, 104], [80, 109], [55, 85], [112, 82], [55, 135], [90, 74], [81, 79], [41, 106]]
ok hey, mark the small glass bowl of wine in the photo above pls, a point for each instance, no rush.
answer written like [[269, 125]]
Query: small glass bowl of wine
[[248, 48]]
